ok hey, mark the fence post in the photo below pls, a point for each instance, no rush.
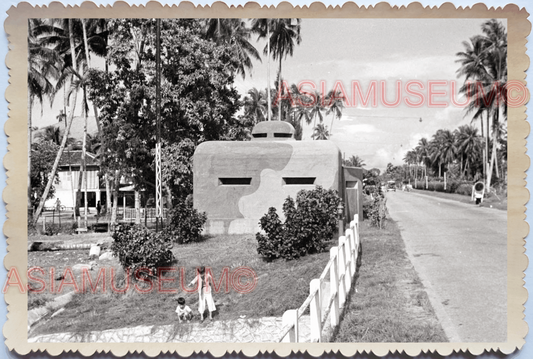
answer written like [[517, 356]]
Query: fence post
[[334, 286], [316, 316], [347, 264], [290, 317], [353, 250], [342, 271]]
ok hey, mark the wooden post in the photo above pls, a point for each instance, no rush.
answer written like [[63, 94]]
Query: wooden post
[[316, 308], [290, 317], [347, 264], [342, 272], [137, 208], [44, 224], [351, 239], [334, 313]]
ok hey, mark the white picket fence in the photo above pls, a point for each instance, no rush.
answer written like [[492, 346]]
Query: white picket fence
[[341, 269]]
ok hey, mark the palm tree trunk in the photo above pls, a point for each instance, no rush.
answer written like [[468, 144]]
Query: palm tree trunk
[[115, 199], [84, 157], [280, 118], [56, 164], [30, 210], [107, 193], [268, 72], [64, 141], [489, 169]]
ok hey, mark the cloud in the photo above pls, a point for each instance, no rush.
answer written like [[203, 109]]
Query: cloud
[[360, 128]]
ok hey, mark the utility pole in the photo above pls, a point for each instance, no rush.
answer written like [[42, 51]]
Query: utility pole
[[158, 187]]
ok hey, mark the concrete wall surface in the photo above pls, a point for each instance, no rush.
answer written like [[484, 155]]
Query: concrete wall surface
[[235, 183]]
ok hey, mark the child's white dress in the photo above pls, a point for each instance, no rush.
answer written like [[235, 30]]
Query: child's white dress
[[205, 294]]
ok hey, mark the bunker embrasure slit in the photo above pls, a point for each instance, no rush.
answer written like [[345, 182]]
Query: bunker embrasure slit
[[235, 181], [292, 181]]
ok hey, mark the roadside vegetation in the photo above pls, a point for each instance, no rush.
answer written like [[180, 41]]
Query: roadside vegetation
[[390, 304], [108, 309]]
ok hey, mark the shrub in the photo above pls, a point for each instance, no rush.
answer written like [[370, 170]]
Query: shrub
[[309, 223], [465, 188], [185, 223], [138, 247], [52, 229], [269, 245]]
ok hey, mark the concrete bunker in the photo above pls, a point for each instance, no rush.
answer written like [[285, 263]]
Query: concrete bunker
[[236, 182]]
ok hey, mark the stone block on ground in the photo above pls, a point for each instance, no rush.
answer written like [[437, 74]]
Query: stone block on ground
[[94, 252], [106, 256]]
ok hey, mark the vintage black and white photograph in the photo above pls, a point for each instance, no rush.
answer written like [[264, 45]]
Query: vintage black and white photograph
[[268, 180]]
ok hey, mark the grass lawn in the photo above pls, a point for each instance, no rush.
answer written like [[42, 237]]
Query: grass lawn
[[390, 304], [492, 202], [281, 285]]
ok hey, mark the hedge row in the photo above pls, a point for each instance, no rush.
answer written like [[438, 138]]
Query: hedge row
[[460, 187]]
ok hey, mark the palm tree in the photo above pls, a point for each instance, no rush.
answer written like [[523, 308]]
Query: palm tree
[[316, 109], [335, 106], [63, 143], [410, 158], [443, 148], [262, 28], [486, 63], [468, 145], [43, 66], [354, 161], [422, 150], [236, 34], [255, 106], [320, 132], [285, 34]]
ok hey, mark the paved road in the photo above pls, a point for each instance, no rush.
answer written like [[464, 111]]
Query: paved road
[[460, 252]]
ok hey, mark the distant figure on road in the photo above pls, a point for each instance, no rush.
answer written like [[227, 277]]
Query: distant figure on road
[[478, 191], [98, 208]]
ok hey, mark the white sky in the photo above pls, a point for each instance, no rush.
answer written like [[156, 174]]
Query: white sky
[[364, 50]]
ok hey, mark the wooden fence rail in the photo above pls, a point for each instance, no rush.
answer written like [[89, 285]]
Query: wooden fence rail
[[323, 303]]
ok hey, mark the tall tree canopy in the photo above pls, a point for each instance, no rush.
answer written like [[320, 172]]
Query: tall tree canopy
[[198, 101]]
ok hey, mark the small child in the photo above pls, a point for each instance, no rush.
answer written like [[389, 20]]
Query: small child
[[204, 293], [184, 312]]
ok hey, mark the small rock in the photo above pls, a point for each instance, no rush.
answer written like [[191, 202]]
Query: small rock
[[106, 256], [80, 267], [94, 251]]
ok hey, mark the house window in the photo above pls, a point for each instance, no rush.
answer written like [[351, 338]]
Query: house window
[[235, 181], [295, 181]]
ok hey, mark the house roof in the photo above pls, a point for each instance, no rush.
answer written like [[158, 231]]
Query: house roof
[[74, 158]]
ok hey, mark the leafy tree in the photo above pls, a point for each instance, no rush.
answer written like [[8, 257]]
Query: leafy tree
[[236, 34], [198, 101], [43, 155]]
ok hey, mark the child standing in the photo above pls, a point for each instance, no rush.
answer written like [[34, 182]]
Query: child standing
[[204, 293], [184, 312]]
